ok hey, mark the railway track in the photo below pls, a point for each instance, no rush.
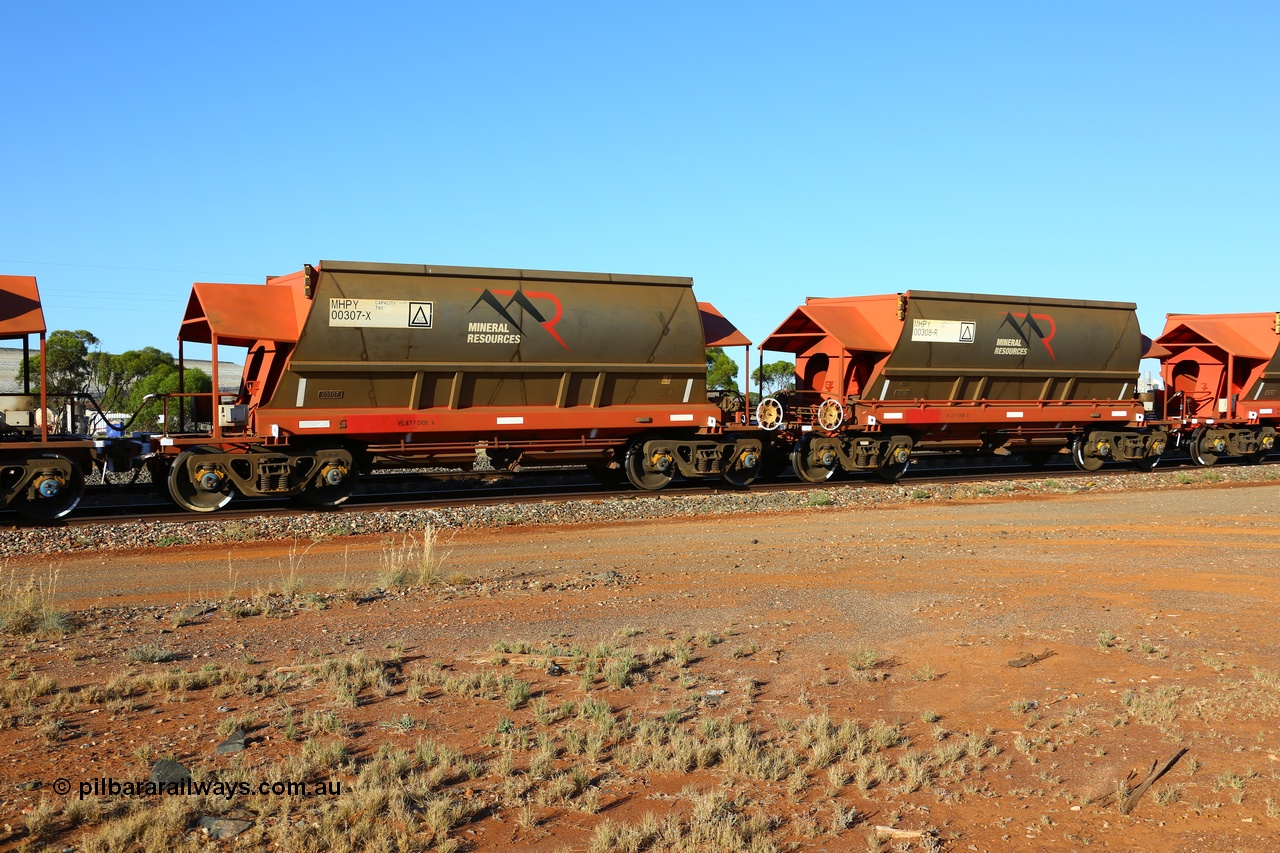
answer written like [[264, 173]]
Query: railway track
[[132, 503]]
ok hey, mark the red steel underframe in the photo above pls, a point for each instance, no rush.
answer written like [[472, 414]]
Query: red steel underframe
[[876, 415], [532, 427]]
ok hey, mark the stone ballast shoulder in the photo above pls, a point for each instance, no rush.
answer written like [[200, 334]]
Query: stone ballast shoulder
[[355, 523]]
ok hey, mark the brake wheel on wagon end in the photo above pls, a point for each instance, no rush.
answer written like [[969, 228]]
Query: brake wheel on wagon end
[[770, 414]]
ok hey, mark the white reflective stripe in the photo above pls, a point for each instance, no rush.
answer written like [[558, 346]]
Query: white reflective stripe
[[891, 416], [1122, 390], [99, 444], [688, 389], [1119, 413], [884, 392], [1266, 411], [166, 442], [1013, 414], [502, 421], [313, 424], [302, 391], [806, 428], [681, 418], [1257, 393]]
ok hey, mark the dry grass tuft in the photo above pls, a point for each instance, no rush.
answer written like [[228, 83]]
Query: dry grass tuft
[[29, 607], [413, 561]]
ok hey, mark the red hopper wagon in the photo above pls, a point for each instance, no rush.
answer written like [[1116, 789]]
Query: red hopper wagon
[[41, 473], [880, 377], [1221, 377], [354, 366]]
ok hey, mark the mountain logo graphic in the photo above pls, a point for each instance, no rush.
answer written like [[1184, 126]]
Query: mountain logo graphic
[[523, 299], [1025, 325]]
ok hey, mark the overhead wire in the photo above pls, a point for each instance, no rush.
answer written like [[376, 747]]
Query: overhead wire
[[132, 269]]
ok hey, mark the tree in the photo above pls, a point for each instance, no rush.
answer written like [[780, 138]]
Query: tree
[[164, 380], [722, 371], [117, 374], [779, 376], [71, 361]]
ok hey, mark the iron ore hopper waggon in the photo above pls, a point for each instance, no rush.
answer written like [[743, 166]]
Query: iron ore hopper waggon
[[352, 367], [882, 377], [40, 476], [43, 463], [1221, 375]]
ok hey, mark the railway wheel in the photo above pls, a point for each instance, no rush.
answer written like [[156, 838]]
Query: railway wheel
[[55, 489], [335, 477], [1198, 451], [1146, 463], [1154, 450], [818, 471], [1266, 443], [895, 464], [1083, 460], [743, 469], [197, 486], [649, 471]]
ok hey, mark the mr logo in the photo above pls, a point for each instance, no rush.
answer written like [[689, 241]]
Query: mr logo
[[522, 299], [1024, 325]]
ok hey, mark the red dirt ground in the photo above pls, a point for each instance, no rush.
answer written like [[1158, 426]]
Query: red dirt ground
[[1159, 608]]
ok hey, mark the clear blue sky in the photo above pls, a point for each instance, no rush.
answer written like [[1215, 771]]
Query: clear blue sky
[[1125, 151]]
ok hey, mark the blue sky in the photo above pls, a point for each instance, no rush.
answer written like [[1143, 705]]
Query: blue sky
[[1123, 151]]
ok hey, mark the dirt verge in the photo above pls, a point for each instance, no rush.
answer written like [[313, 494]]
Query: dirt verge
[[755, 682]]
